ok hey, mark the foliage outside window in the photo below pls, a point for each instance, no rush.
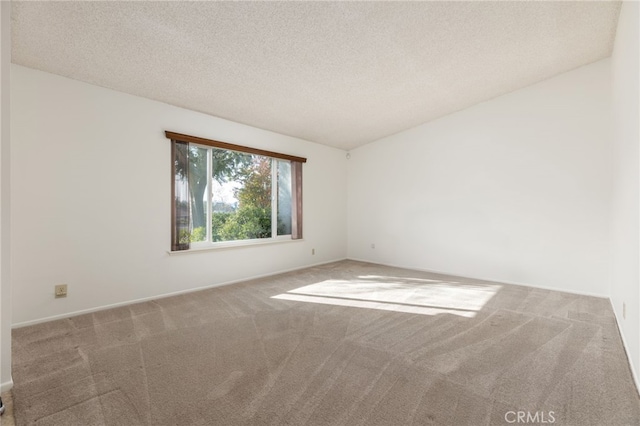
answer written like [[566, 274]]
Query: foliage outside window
[[223, 195]]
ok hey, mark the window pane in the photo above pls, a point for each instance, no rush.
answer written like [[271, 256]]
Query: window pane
[[284, 197], [225, 192], [241, 196], [181, 229], [198, 192]]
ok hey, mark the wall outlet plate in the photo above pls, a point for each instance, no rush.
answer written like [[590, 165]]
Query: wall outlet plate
[[61, 290]]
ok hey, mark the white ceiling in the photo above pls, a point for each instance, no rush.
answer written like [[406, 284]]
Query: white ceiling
[[338, 73]]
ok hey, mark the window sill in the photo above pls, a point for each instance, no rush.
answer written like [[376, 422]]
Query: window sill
[[233, 245]]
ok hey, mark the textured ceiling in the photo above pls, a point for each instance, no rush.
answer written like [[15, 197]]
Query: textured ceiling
[[338, 73]]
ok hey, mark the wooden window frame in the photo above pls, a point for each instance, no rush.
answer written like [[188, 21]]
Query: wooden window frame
[[296, 184], [232, 147]]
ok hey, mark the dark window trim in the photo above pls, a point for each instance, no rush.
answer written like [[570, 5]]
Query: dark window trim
[[225, 145], [296, 183]]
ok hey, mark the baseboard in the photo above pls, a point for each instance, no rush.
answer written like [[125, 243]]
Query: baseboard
[[6, 386], [453, 274], [165, 295], [634, 374]]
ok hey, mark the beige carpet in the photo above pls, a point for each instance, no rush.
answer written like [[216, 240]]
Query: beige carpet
[[7, 418], [342, 344]]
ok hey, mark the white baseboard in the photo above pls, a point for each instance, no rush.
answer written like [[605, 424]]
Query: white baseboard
[[497, 281], [162, 296], [634, 373], [6, 386]]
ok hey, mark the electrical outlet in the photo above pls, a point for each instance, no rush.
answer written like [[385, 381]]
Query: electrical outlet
[[313, 251], [624, 310], [61, 290], [373, 246]]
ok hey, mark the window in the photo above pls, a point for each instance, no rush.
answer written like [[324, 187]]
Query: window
[[224, 193]]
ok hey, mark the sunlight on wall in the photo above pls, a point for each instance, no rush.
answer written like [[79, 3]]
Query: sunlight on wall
[[410, 295]]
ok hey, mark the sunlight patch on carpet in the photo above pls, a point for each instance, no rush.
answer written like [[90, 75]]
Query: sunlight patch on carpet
[[416, 296]]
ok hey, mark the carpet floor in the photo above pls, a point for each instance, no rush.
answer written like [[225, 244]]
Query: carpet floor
[[347, 343]]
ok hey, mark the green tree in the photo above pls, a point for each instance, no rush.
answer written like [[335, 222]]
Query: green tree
[[247, 223], [197, 185], [253, 217], [226, 165], [218, 221], [256, 188]]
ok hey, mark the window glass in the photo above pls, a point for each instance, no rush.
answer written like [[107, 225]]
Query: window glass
[[224, 193], [241, 196], [284, 197], [198, 163]]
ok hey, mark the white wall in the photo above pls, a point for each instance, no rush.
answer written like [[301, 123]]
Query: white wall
[[5, 181], [516, 189], [91, 199], [625, 284]]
